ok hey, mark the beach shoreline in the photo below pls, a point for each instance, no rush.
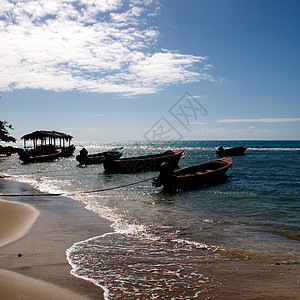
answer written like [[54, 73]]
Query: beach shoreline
[[34, 241]]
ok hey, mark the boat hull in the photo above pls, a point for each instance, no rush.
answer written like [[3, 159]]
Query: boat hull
[[99, 158], [91, 160], [30, 157], [142, 163], [68, 151], [193, 177], [235, 151]]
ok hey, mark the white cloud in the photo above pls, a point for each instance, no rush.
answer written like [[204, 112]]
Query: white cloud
[[221, 133], [100, 46], [260, 120]]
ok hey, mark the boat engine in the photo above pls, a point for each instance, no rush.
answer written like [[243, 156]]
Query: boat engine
[[166, 173]]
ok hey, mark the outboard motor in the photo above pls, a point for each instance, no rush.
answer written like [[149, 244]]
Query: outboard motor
[[83, 153], [166, 172], [220, 150], [108, 156], [81, 158]]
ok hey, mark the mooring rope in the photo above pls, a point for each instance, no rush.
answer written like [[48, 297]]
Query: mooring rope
[[86, 192], [30, 195], [118, 187]]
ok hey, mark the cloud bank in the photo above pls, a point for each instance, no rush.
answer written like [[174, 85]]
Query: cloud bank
[[260, 120], [98, 46]]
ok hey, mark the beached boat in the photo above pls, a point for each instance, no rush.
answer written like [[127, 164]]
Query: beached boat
[[98, 158], [47, 146], [235, 151], [192, 177], [142, 163]]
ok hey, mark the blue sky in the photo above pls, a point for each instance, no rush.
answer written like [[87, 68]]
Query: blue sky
[[110, 70]]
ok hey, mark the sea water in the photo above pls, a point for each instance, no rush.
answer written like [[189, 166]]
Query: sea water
[[170, 246]]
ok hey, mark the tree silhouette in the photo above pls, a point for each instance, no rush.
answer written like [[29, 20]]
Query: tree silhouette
[[4, 134]]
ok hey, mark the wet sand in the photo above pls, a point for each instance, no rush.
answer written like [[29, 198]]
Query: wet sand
[[16, 286], [35, 233]]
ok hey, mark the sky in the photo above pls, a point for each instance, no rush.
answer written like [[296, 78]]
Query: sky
[[115, 70]]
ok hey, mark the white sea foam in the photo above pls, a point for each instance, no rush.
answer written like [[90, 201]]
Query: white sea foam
[[197, 245], [43, 184], [75, 267], [272, 149]]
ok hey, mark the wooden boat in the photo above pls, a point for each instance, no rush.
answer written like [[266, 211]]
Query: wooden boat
[[142, 163], [235, 151], [192, 177], [98, 158], [67, 151], [46, 145], [31, 156]]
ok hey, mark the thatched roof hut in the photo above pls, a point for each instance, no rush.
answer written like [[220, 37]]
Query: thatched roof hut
[[43, 135]]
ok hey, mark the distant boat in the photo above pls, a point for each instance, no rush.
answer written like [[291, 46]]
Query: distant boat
[[192, 177], [235, 151], [4, 151], [98, 158], [8, 151], [5, 154], [142, 163], [47, 146]]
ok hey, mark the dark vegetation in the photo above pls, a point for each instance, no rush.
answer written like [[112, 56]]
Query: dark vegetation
[[6, 137]]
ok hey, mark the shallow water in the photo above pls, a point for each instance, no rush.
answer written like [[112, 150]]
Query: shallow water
[[171, 246]]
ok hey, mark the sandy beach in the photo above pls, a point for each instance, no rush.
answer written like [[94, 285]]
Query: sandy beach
[[15, 220], [35, 233]]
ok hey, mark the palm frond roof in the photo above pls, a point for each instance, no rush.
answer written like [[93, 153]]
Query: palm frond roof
[[41, 134]]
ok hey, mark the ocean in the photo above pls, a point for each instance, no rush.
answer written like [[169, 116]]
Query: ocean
[[180, 245]]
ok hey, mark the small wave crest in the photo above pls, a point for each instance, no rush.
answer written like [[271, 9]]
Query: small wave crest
[[131, 268], [271, 149]]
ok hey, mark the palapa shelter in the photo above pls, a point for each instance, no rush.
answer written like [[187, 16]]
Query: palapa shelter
[[48, 138]]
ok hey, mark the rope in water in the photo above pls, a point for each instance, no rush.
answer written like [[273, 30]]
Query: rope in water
[[118, 187], [86, 192], [29, 195]]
